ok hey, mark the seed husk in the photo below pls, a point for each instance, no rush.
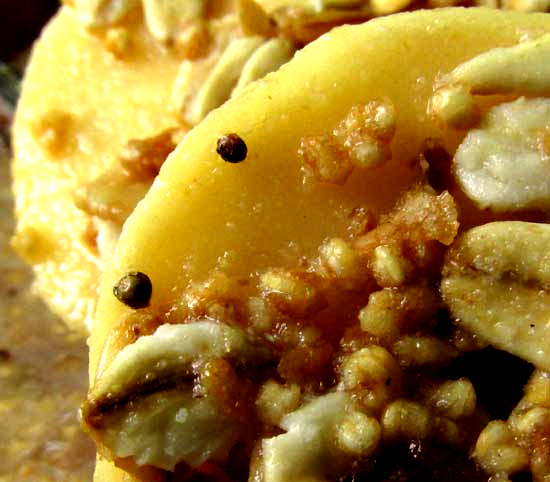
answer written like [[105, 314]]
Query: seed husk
[[232, 148], [134, 289]]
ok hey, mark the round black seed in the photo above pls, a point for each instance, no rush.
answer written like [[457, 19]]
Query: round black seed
[[5, 355], [232, 148], [134, 289]]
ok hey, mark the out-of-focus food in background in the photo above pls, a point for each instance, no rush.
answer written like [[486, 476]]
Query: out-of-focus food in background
[[43, 365]]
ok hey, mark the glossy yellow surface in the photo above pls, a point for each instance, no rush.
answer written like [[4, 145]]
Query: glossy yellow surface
[[201, 209]]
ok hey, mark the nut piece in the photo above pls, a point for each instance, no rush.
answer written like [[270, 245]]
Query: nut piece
[[267, 58], [306, 450], [165, 18], [503, 164], [159, 371], [521, 69], [221, 80], [305, 20], [496, 280], [103, 13]]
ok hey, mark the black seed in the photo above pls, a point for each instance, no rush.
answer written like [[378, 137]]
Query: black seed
[[232, 148], [134, 289], [5, 355]]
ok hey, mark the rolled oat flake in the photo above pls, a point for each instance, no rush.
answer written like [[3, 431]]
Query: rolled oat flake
[[134, 289], [232, 148]]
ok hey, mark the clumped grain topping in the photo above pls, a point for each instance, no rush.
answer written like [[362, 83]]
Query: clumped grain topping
[[392, 312], [370, 341], [454, 399], [358, 435], [498, 452], [362, 139], [118, 41], [141, 159], [373, 375], [325, 159], [320, 339], [55, 132], [295, 294], [366, 131], [232, 148], [529, 422], [339, 326], [134, 289], [112, 196]]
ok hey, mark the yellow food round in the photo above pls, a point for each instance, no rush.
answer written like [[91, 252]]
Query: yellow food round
[[203, 213], [79, 105]]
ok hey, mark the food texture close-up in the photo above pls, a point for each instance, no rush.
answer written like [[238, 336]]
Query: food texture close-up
[[278, 241]]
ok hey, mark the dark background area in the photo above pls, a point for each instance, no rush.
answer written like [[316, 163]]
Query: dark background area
[[21, 22]]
